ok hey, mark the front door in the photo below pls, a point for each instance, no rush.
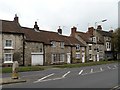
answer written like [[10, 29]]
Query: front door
[[68, 58], [83, 57]]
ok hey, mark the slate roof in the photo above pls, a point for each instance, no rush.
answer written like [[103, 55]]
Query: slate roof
[[10, 27], [105, 33], [42, 36], [47, 36]]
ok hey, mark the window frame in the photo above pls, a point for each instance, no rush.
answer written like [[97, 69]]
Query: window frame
[[8, 47], [77, 47], [53, 43], [11, 57]]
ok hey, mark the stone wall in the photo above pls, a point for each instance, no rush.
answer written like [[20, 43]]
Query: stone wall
[[32, 47], [17, 47]]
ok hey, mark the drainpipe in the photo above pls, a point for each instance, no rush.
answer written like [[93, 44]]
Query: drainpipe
[[71, 55], [23, 50], [43, 54]]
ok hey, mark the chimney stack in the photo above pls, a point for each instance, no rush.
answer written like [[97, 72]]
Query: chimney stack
[[73, 31], [99, 27], [60, 31], [90, 30], [16, 18], [36, 26]]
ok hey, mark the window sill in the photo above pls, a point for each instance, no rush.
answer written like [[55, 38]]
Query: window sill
[[8, 48], [8, 62]]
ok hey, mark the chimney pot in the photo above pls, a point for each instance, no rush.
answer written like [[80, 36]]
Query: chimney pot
[[16, 18], [36, 26], [59, 30], [99, 27], [73, 31]]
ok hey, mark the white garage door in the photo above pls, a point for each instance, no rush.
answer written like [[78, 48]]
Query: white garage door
[[37, 59]]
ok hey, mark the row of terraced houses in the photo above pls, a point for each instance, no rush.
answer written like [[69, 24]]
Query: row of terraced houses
[[33, 46]]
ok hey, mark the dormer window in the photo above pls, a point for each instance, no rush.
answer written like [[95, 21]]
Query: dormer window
[[77, 47], [53, 43]]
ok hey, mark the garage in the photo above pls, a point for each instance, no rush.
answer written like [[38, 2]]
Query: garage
[[37, 59]]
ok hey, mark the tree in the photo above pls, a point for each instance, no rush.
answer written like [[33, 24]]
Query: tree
[[116, 42]]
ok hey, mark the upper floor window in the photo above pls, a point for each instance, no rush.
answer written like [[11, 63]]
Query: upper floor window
[[90, 47], [108, 46], [53, 44], [77, 47], [8, 44], [8, 58], [62, 44], [94, 39]]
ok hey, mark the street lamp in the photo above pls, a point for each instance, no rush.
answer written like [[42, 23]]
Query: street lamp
[[97, 49]]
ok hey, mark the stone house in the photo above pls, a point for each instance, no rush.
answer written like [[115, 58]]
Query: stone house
[[88, 39], [51, 47], [32, 46], [11, 43]]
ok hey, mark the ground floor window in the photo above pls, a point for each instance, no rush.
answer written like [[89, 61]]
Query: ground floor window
[[56, 58], [90, 56], [77, 55], [8, 58]]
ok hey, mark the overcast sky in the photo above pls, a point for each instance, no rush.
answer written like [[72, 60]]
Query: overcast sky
[[65, 13]]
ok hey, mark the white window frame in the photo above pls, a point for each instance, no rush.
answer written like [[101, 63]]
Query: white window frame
[[6, 61], [62, 57], [54, 56], [62, 44], [77, 55], [77, 47], [108, 46], [53, 43], [94, 39], [90, 58], [8, 47]]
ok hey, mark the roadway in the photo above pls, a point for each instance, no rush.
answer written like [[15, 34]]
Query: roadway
[[99, 76]]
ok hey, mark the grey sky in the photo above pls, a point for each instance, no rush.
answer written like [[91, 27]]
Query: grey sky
[[65, 13]]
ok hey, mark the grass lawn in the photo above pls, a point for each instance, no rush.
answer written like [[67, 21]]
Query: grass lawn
[[39, 68]]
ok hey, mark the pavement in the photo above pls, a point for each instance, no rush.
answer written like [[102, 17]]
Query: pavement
[[9, 80]]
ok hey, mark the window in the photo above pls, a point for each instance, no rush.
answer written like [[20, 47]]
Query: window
[[90, 56], [8, 58], [62, 44], [8, 44], [54, 57], [108, 45], [41, 50], [53, 44], [94, 39], [77, 47], [77, 55], [90, 47], [62, 57]]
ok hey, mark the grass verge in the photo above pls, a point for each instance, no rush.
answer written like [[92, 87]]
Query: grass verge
[[23, 69], [39, 68], [83, 64]]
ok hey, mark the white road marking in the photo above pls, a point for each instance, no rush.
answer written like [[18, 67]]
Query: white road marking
[[80, 72], [91, 71], [108, 67], [115, 66], [101, 69], [44, 78], [65, 74]]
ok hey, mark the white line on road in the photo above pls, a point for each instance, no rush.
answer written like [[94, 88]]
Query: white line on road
[[108, 67], [115, 66], [44, 78], [65, 74], [91, 71], [101, 69], [80, 72]]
